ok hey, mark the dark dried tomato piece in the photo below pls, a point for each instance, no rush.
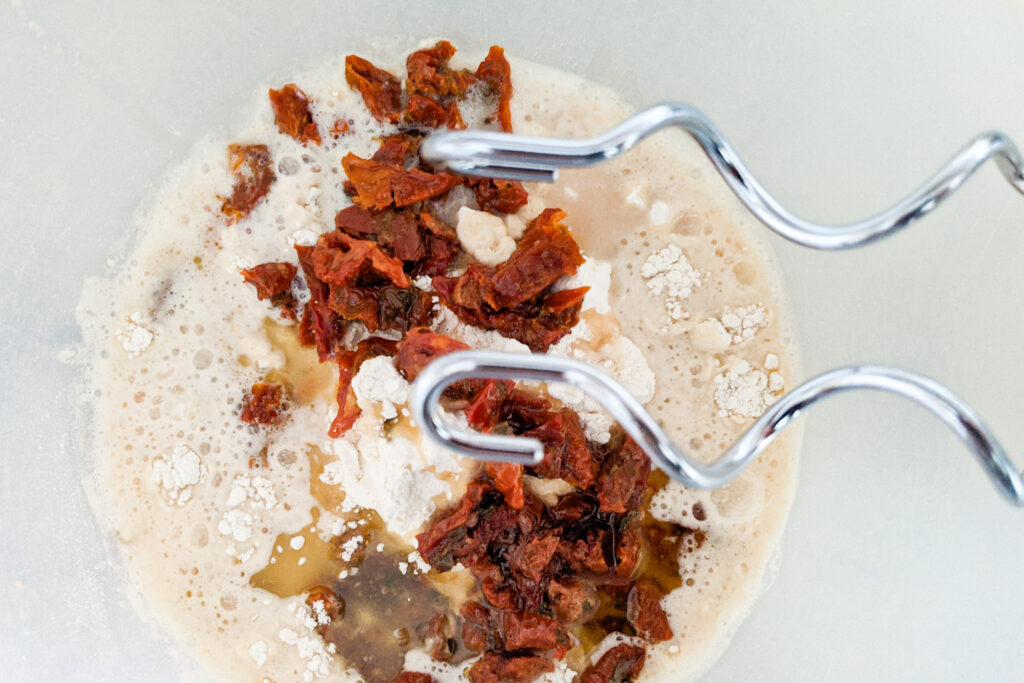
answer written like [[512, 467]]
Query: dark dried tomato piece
[[435, 544], [479, 632], [380, 184], [381, 91], [530, 632], [514, 298], [530, 559], [546, 253], [508, 478], [426, 111], [419, 347], [623, 479], [644, 611], [620, 664], [566, 453], [440, 638], [413, 677], [342, 260], [499, 196], [430, 74], [494, 667], [571, 600], [291, 112], [253, 172], [320, 325], [349, 363], [628, 548], [398, 149], [264, 404], [274, 281], [495, 72]]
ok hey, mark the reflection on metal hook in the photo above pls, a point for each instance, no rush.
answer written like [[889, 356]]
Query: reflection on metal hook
[[528, 158], [639, 424]]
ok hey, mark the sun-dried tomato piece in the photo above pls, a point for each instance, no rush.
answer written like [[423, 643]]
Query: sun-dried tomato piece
[[253, 172], [264, 404], [530, 632], [478, 631], [623, 479], [274, 281], [494, 667], [419, 347], [430, 74], [513, 298], [499, 196], [342, 260], [381, 91], [291, 112], [508, 478], [320, 325], [398, 149], [586, 555], [270, 279], [620, 664], [426, 111], [396, 232], [644, 611], [546, 253], [380, 184], [629, 547], [440, 638], [566, 453], [416, 185], [495, 72], [530, 559], [571, 600], [348, 366], [413, 677], [431, 542]]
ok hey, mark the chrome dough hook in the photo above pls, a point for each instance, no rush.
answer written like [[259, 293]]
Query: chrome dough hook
[[638, 423], [503, 155]]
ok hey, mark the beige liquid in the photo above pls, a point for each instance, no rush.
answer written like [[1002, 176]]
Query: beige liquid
[[212, 341]]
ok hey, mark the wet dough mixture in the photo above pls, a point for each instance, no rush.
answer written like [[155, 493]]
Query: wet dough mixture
[[252, 358]]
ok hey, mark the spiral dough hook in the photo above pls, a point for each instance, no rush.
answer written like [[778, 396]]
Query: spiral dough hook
[[530, 158], [638, 423]]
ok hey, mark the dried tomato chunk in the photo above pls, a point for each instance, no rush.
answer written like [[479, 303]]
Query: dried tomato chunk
[[253, 172], [623, 479], [342, 260], [644, 611], [270, 279], [571, 600], [531, 632], [379, 184], [620, 664], [495, 72], [264, 404], [349, 363], [494, 667], [291, 112], [499, 196], [508, 478], [419, 347], [381, 91], [413, 677], [514, 297], [566, 453], [531, 559], [430, 74], [434, 543]]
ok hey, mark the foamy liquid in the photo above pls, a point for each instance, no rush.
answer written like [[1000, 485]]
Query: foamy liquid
[[209, 345]]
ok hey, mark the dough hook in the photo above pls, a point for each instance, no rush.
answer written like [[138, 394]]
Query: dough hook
[[530, 158], [638, 423]]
